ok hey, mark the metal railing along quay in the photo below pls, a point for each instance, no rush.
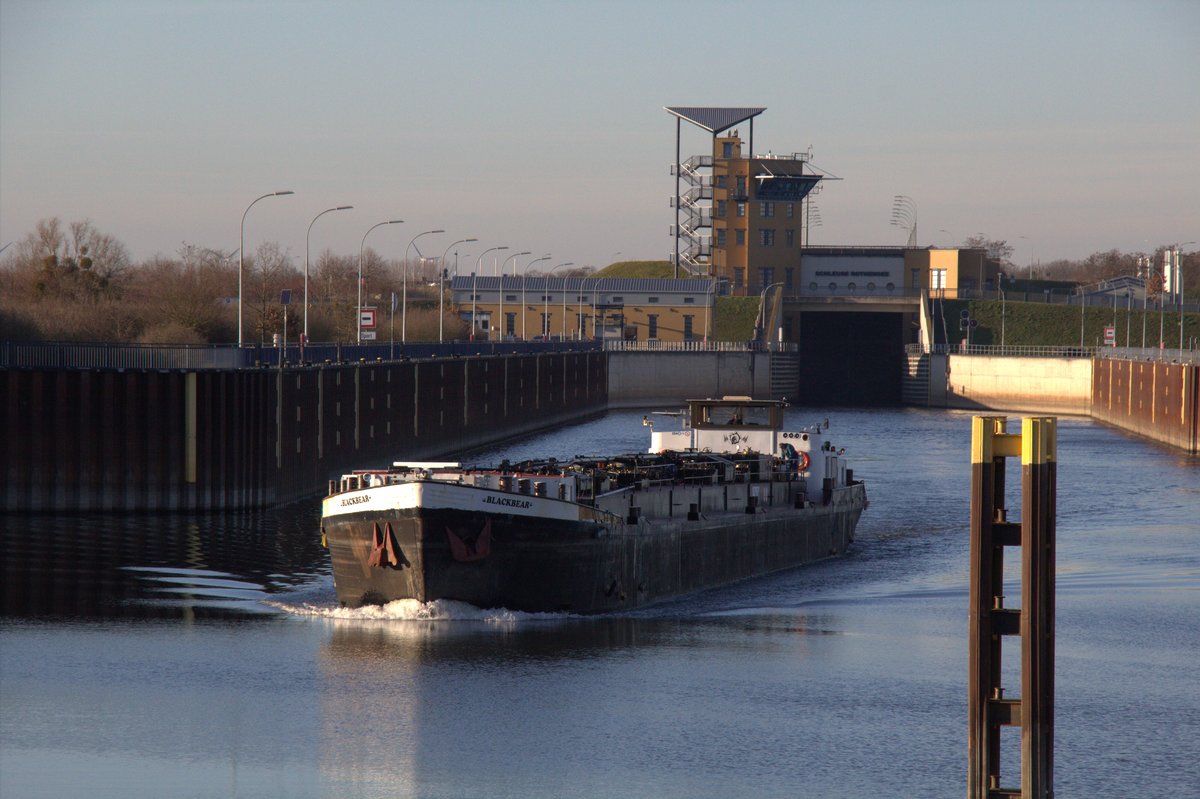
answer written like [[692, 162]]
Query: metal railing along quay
[[1060, 351], [698, 346], [81, 355]]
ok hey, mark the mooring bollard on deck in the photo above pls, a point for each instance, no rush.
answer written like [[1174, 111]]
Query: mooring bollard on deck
[[991, 531]]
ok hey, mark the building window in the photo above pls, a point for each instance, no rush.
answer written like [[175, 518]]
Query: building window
[[741, 209], [727, 149], [766, 276], [789, 237], [545, 324], [740, 237], [510, 323], [653, 325], [722, 181], [510, 297], [741, 185], [720, 208], [788, 274], [720, 237], [937, 278], [689, 300], [766, 236], [618, 299], [739, 277], [687, 327], [766, 209], [790, 207], [652, 299]]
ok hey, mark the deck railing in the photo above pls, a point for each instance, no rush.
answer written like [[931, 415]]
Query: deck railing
[[1061, 351], [155, 357]]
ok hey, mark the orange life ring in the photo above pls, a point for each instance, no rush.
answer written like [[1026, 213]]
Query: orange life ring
[[802, 464]]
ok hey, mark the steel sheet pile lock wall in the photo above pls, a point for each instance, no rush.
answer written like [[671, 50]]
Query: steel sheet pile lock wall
[[1158, 400], [83, 440]]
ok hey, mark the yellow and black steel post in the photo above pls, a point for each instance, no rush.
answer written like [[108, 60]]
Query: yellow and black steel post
[[988, 709]]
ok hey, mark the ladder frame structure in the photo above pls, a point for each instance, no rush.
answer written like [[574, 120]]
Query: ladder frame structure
[[990, 621]]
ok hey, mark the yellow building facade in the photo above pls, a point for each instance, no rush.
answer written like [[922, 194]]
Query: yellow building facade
[[537, 308]]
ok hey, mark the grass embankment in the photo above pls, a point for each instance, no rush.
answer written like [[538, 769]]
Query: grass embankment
[[733, 318], [1037, 324], [638, 269]]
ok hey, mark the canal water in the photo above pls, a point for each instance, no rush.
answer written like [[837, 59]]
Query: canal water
[[205, 656]]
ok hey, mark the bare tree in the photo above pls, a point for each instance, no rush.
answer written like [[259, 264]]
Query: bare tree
[[269, 271], [997, 249]]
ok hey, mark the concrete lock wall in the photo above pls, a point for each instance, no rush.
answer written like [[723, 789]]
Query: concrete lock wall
[[641, 379], [1036, 385], [1160, 401], [80, 440]]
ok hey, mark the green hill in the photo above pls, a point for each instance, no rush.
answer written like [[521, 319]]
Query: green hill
[[638, 269], [1041, 325]]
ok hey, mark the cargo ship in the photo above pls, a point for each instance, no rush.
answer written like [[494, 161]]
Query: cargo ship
[[728, 496]]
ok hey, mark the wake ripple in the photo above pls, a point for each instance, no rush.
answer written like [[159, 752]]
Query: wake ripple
[[442, 610]]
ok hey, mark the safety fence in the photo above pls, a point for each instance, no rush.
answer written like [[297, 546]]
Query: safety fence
[[75, 355]]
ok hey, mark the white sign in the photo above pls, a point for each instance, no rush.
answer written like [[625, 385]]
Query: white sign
[[1110, 335], [366, 319], [368, 335]]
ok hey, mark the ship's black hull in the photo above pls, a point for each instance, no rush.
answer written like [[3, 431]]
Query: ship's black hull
[[543, 565]]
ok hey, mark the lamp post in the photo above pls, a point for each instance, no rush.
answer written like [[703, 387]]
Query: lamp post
[[307, 237], [358, 310], [502, 263], [546, 302], [1178, 259], [596, 310], [242, 254], [762, 307], [404, 285], [712, 289], [475, 282], [441, 288], [1000, 285], [524, 307]]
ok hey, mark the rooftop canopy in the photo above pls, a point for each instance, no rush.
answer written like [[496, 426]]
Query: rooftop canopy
[[712, 119]]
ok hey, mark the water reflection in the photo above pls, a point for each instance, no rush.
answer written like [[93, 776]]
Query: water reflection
[[157, 565]]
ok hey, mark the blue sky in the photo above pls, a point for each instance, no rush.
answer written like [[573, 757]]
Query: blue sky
[[1064, 127]]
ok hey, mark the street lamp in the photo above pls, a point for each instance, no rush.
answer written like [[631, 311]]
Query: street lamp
[[306, 242], [242, 254], [1179, 276], [502, 263], [358, 311], [404, 288], [475, 282], [524, 308], [708, 310], [546, 301], [762, 307], [1003, 308], [441, 289]]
